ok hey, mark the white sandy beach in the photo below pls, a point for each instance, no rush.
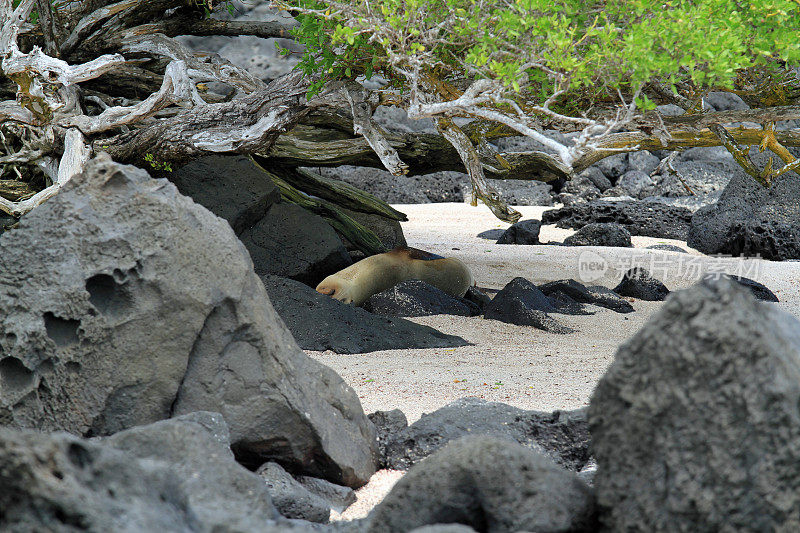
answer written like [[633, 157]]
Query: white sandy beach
[[523, 366]]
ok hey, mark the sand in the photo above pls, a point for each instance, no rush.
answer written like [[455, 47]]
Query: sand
[[524, 366]]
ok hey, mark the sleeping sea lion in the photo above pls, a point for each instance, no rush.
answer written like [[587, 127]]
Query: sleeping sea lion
[[356, 283]]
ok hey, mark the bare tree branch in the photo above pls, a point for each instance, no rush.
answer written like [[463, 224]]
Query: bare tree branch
[[469, 156], [374, 134]]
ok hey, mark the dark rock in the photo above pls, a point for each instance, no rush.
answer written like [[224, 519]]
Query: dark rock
[[695, 425], [570, 199], [596, 177], [758, 290], [291, 498], [649, 219], [638, 283], [197, 447], [582, 186], [526, 144], [564, 436], [600, 234], [6, 221], [517, 192], [766, 239], [318, 322], [488, 484], [478, 297], [292, 242], [141, 305], [60, 482], [596, 295], [667, 248], [567, 306], [413, 297], [613, 166], [419, 189], [521, 303], [750, 219], [387, 425], [523, 232], [231, 187], [491, 234], [336, 496], [387, 230]]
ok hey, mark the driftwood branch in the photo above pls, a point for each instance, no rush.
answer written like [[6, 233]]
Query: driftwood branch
[[471, 160], [374, 135], [176, 88], [76, 155], [337, 191], [363, 238], [200, 67], [245, 125]]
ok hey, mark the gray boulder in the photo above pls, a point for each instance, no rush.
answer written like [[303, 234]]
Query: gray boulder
[[600, 234], [413, 297], [751, 220], [292, 242], [636, 184], [698, 183], [318, 322], [650, 219], [231, 187], [491, 485], [695, 425], [197, 447], [522, 232], [562, 435], [60, 482], [123, 303], [592, 180], [336, 497], [291, 498], [643, 161], [613, 166]]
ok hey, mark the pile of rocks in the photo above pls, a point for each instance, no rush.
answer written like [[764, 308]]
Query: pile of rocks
[[140, 343]]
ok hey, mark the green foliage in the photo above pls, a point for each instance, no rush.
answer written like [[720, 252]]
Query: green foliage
[[324, 56], [204, 5], [34, 16], [157, 165], [535, 47]]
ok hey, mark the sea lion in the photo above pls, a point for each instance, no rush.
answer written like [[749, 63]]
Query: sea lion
[[356, 283]]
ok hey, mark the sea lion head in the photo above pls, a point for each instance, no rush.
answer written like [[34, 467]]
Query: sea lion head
[[336, 288]]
